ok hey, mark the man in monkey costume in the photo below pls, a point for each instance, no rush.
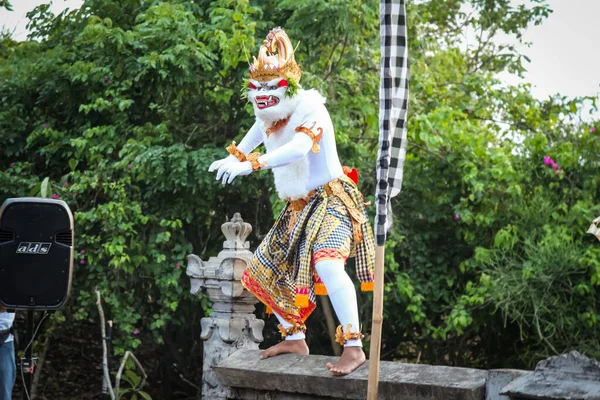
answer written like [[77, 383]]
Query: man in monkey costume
[[323, 222]]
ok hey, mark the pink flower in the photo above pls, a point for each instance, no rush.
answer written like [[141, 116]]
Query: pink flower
[[82, 251], [12, 164], [82, 262], [549, 161], [470, 111], [592, 129], [435, 132], [251, 67], [66, 184], [136, 331], [502, 112], [457, 217], [177, 265], [55, 196], [129, 166]]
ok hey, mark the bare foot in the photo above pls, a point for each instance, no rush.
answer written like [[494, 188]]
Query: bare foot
[[352, 358], [286, 347]]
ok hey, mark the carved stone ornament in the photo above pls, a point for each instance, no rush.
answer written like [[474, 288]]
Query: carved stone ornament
[[594, 229], [236, 231], [232, 324]]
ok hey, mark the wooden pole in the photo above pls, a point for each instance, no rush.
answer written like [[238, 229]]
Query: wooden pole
[[373, 383]]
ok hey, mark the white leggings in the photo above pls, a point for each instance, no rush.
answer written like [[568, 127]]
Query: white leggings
[[342, 295]]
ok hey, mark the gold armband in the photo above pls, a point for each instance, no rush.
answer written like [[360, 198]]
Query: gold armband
[[315, 138], [253, 158], [233, 150]]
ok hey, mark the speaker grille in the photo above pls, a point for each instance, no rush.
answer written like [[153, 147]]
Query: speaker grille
[[65, 238], [6, 236]]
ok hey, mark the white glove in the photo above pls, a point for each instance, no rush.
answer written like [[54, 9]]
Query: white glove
[[217, 164], [230, 170]]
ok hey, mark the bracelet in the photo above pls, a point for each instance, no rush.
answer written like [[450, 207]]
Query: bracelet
[[253, 158], [233, 150], [292, 330], [342, 337]]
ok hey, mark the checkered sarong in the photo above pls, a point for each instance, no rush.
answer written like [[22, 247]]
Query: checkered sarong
[[393, 106], [331, 225]]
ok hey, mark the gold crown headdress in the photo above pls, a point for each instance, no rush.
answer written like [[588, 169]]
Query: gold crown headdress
[[275, 59]]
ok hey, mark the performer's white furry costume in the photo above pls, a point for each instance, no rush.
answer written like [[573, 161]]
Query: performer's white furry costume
[[324, 221]]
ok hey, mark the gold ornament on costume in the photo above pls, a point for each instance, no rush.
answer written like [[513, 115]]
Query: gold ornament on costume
[[275, 59], [234, 151], [277, 125], [253, 158], [316, 138], [292, 330], [342, 337]]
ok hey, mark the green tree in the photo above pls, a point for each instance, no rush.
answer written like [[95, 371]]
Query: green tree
[[120, 107], [491, 265]]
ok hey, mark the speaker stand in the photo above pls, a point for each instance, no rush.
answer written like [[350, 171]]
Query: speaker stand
[[28, 362]]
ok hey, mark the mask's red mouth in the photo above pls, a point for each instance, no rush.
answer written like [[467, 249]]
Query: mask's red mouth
[[266, 101]]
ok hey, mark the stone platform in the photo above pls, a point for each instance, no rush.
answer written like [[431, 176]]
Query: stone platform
[[292, 376]]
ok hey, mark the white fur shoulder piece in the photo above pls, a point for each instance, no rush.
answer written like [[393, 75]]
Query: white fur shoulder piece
[[309, 102], [312, 95]]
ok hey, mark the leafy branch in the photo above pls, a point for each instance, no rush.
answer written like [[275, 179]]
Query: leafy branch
[[6, 4]]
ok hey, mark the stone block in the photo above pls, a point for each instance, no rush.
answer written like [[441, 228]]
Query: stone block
[[570, 376], [499, 378], [308, 375]]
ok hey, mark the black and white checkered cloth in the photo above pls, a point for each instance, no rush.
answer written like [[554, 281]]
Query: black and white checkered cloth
[[393, 105]]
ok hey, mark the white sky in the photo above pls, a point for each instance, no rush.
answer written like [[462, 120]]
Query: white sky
[[565, 50], [16, 20]]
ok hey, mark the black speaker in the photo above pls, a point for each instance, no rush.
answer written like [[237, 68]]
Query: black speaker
[[36, 253]]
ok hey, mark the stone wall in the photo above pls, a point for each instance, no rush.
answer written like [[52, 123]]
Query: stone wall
[[292, 376], [232, 368]]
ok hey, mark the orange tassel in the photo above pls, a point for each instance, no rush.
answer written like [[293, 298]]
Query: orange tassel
[[367, 286], [301, 300], [269, 310], [320, 289]]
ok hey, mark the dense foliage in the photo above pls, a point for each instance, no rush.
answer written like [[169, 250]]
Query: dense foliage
[[119, 107]]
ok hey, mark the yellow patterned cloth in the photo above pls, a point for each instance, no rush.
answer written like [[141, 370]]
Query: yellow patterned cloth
[[330, 224]]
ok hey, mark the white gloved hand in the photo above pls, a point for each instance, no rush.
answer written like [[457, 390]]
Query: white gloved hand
[[219, 163], [230, 170]]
